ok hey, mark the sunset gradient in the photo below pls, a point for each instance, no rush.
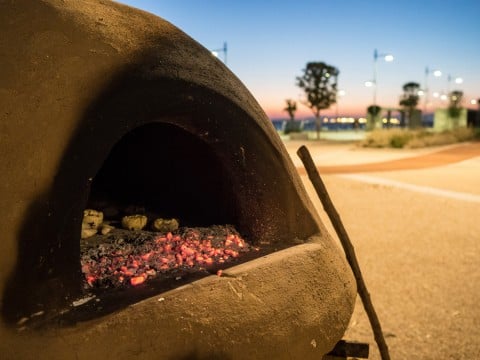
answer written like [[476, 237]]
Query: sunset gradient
[[269, 43]]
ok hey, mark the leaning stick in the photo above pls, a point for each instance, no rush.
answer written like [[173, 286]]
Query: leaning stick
[[329, 208]]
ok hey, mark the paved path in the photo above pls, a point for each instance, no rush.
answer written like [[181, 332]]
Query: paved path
[[443, 157], [412, 215], [419, 255]]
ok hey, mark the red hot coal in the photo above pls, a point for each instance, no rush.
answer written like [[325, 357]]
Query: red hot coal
[[129, 258]]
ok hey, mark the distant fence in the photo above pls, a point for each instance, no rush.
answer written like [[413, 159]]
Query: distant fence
[[357, 124], [309, 125]]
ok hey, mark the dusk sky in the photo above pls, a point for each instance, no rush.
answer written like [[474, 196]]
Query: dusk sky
[[270, 42]]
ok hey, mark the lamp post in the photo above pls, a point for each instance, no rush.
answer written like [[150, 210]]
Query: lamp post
[[457, 80], [340, 94], [223, 50], [373, 83], [445, 95], [435, 73]]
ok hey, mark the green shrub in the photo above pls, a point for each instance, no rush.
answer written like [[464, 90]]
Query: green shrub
[[379, 138], [374, 110], [476, 134], [400, 138], [292, 127], [463, 133]]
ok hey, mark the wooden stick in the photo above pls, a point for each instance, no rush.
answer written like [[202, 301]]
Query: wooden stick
[[329, 208]]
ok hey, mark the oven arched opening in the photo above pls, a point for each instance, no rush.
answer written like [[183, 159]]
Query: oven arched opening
[[169, 172]]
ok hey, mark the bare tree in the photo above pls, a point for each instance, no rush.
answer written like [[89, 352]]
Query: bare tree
[[291, 108], [319, 81]]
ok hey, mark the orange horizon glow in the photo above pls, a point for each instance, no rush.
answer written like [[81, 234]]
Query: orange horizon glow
[[343, 110], [273, 103], [303, 112]]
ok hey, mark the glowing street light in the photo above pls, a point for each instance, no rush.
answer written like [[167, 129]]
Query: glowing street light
[[436, 73], [428, 71], [388, 58], [222, 50], [373, 82], [443, 95], [457, 80], [340, 94]]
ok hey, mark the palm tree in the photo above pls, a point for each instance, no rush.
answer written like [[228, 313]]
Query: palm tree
[[291, 108], [373, 111], [455, 106], [409, 100]]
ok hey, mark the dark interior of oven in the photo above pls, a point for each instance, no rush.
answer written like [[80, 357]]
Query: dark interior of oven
[[167, 171]]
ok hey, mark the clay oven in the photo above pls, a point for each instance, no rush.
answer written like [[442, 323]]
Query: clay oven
[[101, 100]]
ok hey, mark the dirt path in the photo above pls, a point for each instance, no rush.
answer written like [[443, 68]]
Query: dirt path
[[418, 252]]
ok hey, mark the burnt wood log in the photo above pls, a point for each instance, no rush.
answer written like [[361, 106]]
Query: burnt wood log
[[344, 349]]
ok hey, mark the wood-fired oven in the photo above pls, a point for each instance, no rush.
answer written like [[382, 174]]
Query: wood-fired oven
[[103, 103]]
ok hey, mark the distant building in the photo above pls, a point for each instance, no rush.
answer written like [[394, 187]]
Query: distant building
[[443, 121]]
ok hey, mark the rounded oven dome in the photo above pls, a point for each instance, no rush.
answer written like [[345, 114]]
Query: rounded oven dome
[[103, 101]]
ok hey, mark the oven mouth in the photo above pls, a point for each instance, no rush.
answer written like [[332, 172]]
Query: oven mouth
[[161, 170], [165, 170]]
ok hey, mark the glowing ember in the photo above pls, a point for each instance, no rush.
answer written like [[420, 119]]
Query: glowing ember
[[120, 260]]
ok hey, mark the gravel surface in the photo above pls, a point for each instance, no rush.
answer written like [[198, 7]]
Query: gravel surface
[[419, 254]]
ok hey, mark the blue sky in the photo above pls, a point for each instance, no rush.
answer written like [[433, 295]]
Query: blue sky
[[269, 43]]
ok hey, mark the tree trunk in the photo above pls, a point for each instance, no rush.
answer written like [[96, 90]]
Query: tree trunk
[[402, 119], [318, 124]]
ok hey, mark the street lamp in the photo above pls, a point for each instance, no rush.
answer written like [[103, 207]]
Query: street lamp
[[222, 50], [373, 82], [457, 80], [436, 73], [340, 94], [443, 95]]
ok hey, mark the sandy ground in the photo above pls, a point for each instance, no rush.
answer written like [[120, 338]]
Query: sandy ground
[[418, 246]]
